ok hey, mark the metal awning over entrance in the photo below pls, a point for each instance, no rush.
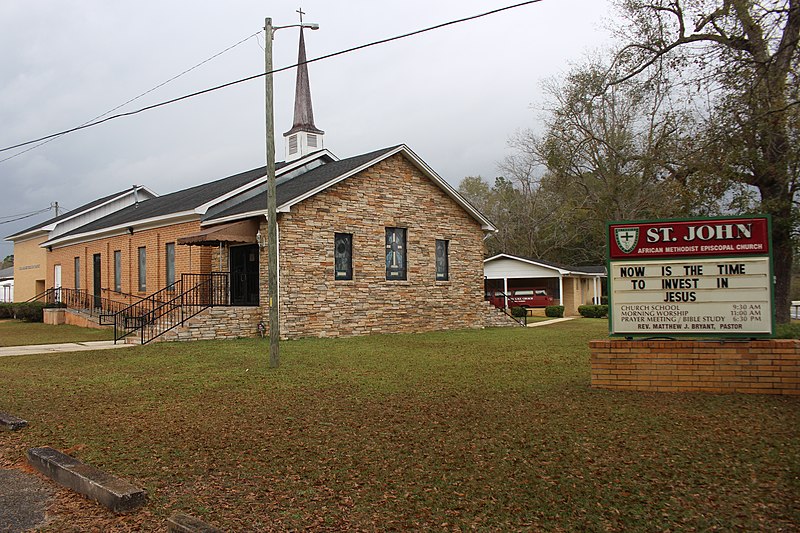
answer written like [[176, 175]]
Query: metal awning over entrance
[[243, 232]]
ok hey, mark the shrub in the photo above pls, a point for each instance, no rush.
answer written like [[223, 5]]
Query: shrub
[[593, 311], [7, 310], [554, 311], [787, 331], [519, 312], [29, 311]]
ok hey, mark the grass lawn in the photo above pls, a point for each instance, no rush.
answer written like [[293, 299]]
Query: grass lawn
[[19, 333], [493, 430]]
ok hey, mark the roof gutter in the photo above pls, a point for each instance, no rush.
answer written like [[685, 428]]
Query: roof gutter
[[121, 229]]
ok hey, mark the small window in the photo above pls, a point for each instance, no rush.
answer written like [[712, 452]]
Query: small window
[[142, 269], [396, 253], [170, 263], [442, 260], [293, 144], [77, 272], [343, 256], [312, 140], [118, 270]]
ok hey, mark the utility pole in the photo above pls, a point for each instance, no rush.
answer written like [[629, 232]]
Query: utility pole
[[272, 209], [54, 205]]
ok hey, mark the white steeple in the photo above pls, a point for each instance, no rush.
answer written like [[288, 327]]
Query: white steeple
[[304, 137]]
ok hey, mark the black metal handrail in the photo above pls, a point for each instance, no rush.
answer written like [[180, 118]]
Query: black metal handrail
[[205, 290], [120, 294], [172, 306], [41, 296], [81, 300], [134, 316], [504, 309]]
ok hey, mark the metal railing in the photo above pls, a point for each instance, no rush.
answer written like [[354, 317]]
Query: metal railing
[[506, 298], [81, 300], [172, 306]]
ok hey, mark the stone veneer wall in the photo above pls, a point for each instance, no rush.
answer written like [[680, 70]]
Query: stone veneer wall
[[495, 318], [755, 367], [217, 323], [392, 193]]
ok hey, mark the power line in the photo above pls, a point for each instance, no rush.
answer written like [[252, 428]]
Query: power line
[[256, 76], [25, 214], [51, 138], [22, 217]]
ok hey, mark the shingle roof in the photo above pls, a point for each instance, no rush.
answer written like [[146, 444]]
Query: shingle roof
[[172, 203], [303, 184], [76, 211], [7, 273], [293, 185], [593, 269]]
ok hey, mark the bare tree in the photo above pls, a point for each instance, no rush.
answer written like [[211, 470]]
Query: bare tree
[[606, 154], [744, 53]]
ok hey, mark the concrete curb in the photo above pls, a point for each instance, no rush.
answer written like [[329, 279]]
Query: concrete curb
[[108, 490]]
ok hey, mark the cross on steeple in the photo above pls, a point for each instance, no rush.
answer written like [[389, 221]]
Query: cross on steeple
[[304, 137]]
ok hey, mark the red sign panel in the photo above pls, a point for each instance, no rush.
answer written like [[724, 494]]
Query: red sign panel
[[713, 237]]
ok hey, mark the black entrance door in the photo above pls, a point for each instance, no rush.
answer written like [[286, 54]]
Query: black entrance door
[[244, 275], [96, 284]]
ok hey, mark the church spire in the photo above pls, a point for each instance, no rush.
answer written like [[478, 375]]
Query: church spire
[[304, 137]]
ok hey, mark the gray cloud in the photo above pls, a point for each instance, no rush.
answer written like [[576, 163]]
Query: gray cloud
[[454, 95]]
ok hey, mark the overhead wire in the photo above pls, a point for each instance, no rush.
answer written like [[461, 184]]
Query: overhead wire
[[24, 216], [51, 138], [275, 71]]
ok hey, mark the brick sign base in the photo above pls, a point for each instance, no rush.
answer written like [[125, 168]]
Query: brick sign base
[[752, 367]]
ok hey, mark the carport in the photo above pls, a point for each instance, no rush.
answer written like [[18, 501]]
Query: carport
[[569, 286]]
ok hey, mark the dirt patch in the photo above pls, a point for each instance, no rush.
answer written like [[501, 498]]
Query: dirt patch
[[24, 498]]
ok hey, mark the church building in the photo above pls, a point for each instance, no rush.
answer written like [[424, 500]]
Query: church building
[[373, 243]]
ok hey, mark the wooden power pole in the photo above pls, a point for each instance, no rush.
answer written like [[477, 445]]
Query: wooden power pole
[[272, 209]]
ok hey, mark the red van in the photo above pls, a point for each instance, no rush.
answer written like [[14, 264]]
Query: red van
[[522, 297], [531, 297]]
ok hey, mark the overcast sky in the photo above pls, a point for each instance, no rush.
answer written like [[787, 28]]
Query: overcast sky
[[454, 95]]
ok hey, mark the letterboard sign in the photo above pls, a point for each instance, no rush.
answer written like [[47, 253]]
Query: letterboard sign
[[691, 277]]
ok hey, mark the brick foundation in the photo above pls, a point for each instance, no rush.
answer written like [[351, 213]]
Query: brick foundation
[[752, 367]]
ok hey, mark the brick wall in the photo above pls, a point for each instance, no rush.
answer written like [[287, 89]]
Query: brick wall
[[393, 193], [756, 367], [187, 259]]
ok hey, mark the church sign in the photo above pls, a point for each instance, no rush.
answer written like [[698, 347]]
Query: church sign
[[691, 277]]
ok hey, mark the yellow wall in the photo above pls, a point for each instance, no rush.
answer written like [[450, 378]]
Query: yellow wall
[[30, 268], [577, 292]]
